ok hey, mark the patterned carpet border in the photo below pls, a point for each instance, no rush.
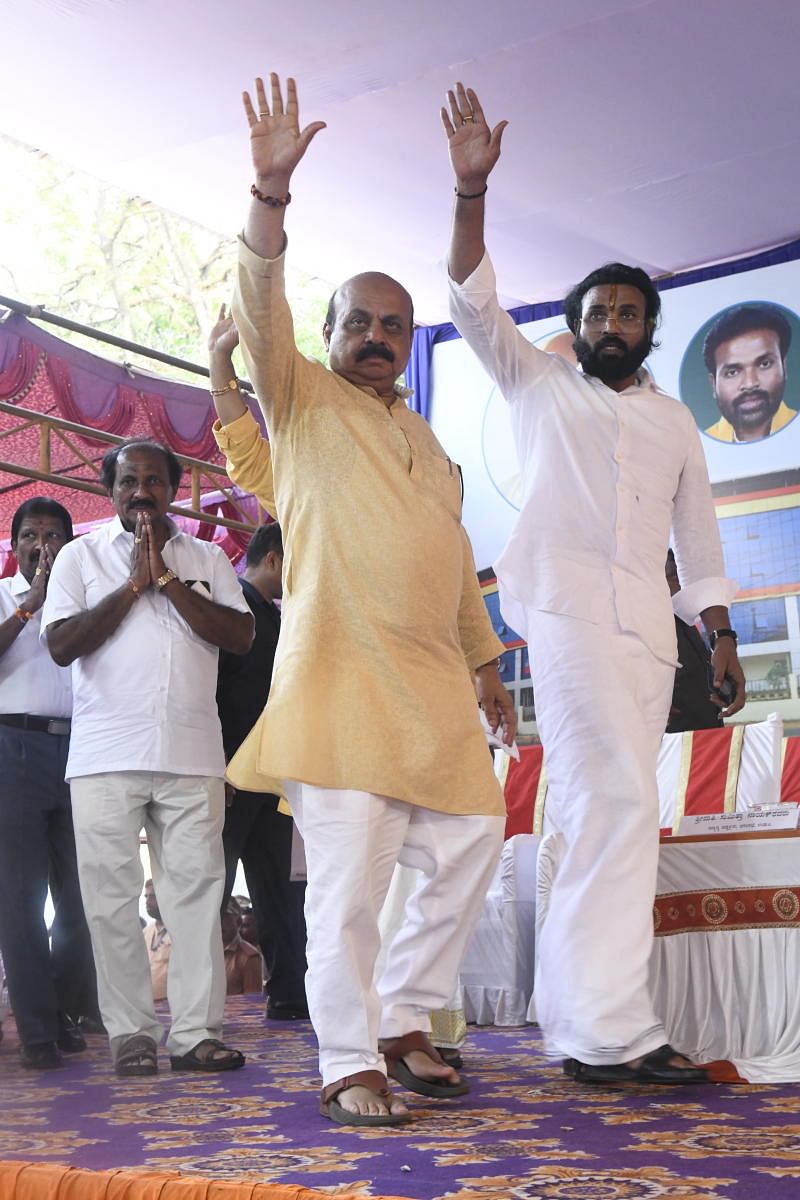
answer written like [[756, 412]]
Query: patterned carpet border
[[524, 1132]]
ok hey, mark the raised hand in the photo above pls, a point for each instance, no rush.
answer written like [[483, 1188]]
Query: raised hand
[[277, 142], [224, 337], [474, 148]]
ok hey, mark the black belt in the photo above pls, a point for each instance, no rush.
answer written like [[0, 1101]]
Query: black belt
[[59, 725]]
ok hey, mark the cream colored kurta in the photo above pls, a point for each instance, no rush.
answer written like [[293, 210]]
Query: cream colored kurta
[[382, 617]]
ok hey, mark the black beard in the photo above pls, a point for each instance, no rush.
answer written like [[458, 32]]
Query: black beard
[[611, 369], [767, 411]]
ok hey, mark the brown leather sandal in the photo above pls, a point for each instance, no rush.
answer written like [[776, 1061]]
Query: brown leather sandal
[[137, 1056], [375, 1082], [394, 1051]]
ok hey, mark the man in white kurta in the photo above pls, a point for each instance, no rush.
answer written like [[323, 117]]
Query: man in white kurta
[[609, 463], [371, 729]]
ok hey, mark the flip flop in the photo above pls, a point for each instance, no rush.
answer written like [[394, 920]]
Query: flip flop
[[374, 1082], [394, 1050]]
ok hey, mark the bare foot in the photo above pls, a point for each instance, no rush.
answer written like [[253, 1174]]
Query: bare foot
[[423, 1067], [361, 1100]]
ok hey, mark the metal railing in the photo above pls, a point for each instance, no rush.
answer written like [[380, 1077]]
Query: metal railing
[[49, 426]]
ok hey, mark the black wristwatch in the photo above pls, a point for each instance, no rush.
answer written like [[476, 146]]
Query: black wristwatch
[[716, 634]]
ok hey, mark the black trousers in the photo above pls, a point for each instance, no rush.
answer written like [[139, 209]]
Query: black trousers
[[45, 976], [261, 837]]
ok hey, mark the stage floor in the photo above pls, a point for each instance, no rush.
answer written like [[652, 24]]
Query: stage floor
[[524, 1132]]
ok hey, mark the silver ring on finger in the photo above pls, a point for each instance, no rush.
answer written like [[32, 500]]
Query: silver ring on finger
[[468, 119]]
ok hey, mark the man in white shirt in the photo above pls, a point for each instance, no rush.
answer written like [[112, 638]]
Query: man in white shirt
[[35, 817], [157, 942], [141, 610], [608, 463]]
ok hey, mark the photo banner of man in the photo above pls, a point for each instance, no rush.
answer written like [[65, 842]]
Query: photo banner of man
[[736, 372]]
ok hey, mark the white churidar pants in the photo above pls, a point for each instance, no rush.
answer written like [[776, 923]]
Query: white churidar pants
[[353, 841], [182, 817], [602, 700]]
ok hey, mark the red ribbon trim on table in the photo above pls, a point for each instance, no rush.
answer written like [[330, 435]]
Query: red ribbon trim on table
[[736, 908]]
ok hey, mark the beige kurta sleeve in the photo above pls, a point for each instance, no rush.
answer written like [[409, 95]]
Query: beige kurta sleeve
[[479, 641], [248, 458], [281, 375]]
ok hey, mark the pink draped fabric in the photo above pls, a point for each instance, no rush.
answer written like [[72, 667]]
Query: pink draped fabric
[[90, 390]]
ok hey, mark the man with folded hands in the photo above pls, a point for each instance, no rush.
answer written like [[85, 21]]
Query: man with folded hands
[[141, 611]]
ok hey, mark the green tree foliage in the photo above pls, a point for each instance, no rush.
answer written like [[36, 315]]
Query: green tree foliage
[[85, 250]]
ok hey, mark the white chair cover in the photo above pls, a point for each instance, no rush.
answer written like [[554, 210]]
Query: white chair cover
[[497, 971]]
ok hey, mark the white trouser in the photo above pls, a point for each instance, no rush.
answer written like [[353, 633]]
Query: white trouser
[[602, 700], [182, 816], [353, 841]]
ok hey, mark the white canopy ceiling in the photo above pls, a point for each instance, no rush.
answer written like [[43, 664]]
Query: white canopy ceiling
[[661, 132]]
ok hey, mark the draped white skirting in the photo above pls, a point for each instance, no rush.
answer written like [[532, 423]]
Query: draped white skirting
[[725, 965], [726, 992]]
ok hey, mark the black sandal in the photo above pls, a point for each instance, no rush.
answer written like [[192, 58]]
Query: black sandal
[[192, 1061], [655, 1067]]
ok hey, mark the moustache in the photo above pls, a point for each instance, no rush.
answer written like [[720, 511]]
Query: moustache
[[610, 341], [756, 394], [141, 504], [376, 351]]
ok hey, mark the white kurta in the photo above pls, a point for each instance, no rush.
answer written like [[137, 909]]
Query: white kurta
[[605, 477]]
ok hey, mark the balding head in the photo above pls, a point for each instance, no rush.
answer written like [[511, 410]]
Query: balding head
[[368, 278]]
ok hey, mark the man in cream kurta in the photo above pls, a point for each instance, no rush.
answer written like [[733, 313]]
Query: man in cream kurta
[[372, 728], [609, 463]]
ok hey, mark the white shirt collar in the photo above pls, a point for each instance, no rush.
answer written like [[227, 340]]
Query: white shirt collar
[[19, 584], [116, 528]]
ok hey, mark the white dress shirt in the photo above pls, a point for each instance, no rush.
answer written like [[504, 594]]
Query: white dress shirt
[[145, 700], [30, 682], [605, 475]]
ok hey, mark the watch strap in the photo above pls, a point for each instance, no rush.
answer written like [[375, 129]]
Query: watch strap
[[164, 579]]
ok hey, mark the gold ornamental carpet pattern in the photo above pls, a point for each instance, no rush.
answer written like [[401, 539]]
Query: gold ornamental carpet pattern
[[525, 1132]]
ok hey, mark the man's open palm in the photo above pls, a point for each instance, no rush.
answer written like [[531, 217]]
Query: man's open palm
[[276, 140], [474, 148]]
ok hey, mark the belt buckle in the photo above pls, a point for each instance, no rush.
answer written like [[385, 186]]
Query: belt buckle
[[57, 726]]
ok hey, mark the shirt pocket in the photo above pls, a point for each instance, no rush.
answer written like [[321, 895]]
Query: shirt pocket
[[440, 479]]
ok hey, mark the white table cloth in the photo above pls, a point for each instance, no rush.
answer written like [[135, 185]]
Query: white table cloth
[[725, 969]]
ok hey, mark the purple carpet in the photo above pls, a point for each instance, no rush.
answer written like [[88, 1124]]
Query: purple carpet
[[524, 1132]]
